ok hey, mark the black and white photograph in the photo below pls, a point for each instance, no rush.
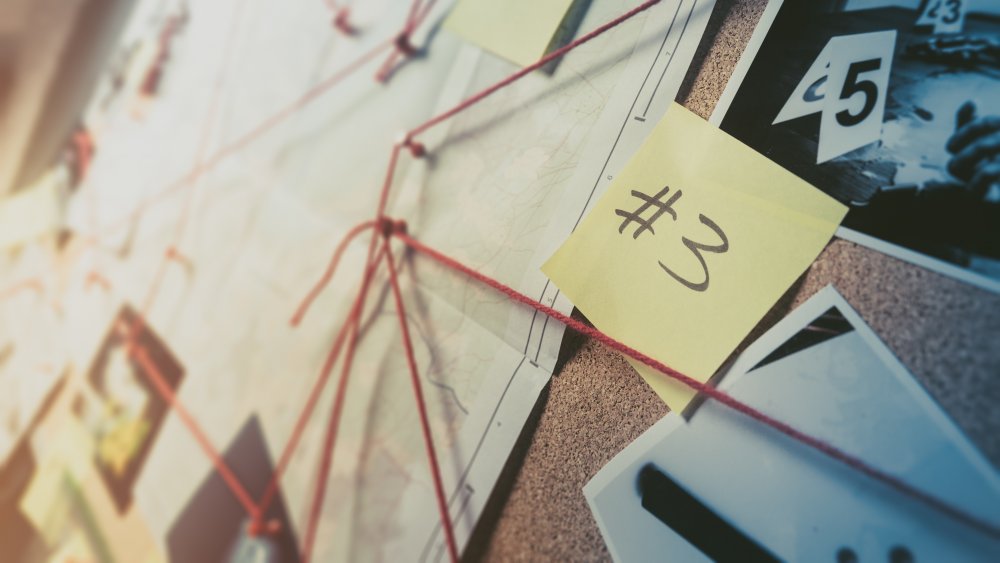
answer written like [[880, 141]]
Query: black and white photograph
[[693, 490], [893, 108]]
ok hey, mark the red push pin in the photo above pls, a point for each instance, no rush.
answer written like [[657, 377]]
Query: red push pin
[[389, 227], [257, 527], [342, 22], [404, 45], [416, 148]]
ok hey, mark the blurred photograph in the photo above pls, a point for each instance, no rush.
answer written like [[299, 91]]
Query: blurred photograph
[[891, 111]]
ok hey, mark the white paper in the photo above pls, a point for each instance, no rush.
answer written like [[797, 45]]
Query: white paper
[[800, 505], [858, 85]]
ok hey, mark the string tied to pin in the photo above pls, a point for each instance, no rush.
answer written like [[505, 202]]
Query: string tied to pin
[[390, 227], [342, 22], [416, 148], [258, 527], [404, 45]]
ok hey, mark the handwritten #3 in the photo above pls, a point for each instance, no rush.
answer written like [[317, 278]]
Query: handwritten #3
[[666, 207]]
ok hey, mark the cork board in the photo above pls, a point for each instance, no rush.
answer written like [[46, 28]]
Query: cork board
[[943, 330]]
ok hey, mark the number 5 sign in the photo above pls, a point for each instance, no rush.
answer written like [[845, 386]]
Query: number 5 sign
[[847, 83]]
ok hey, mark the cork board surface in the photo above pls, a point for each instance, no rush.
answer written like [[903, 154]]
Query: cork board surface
[[941, 329]]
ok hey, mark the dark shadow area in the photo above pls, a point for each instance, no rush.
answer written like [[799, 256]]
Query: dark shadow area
[[421, 52], [778, 312], [211, 528], [571, 343], [566, 32], [94, 38], [18, 539], [715, 24], [479, 541], [609, 61]]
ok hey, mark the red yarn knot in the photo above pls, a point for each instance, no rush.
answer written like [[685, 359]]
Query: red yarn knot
[[390, 227], [342, 23], [95, 278], [416, 148], [404, 46], [257, 527]]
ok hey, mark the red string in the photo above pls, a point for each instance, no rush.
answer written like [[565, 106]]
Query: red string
[[342, 22], [341, 18], [96, 278], [82, 144], [478, 97], [34, 284], [330, 271], [156, 378], [403, 42], [243, 141], [333, 426], [326, 370], [206, 128], [720, 396], [151, 82], [411, 18], [442, 500]]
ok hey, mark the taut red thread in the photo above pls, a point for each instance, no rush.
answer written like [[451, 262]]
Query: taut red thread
[[151, 82], [96, 278], [242, 142], [478, 97], [34, 284], [326, 370], [333, 425], [156, 378], [425, 426], [82, 145], [330, 271], [171, 251], [719, 396], [404, 45]]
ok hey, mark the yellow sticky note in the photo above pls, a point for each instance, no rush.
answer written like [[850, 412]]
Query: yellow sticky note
[[34, 211], [692, 244], [45, 500], [517, 30]]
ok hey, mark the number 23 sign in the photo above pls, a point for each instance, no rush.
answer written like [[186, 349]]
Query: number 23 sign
[[847, 84], [947, 16]]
